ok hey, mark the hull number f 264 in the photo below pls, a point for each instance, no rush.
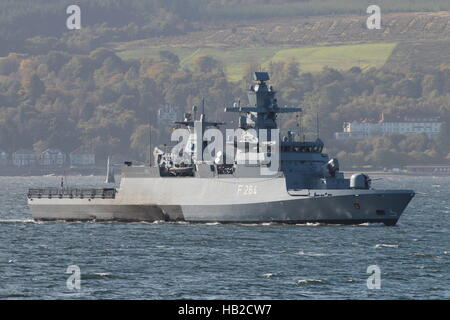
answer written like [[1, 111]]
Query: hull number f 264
[[246, 189]]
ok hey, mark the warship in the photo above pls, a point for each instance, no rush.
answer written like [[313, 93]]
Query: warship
[[256, 180]]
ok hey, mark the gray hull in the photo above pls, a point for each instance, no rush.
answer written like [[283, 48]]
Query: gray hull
[[244, 200]]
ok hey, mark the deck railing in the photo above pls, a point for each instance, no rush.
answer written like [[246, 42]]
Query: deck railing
[[71, 193]]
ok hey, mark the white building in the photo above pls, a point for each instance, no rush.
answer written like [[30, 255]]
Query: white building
[[167, 115], [52, 157], [368, 129], [24, 157], [82, 157]]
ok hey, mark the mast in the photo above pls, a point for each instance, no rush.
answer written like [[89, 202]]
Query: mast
[[149, 140], [263, 106], [317, 125], [109, 173], [197, 129], [203, 106]]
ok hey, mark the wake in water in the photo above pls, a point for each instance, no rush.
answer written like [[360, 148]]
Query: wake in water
[[162, 222], [19, 221]]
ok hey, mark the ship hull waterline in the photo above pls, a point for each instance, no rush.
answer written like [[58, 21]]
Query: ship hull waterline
[[342, 207]]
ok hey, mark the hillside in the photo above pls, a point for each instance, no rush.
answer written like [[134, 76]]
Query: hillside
[[302, 31], [335, 41]]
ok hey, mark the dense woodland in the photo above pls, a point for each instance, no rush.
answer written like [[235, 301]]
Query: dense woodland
[[64, 90], [63, 100]]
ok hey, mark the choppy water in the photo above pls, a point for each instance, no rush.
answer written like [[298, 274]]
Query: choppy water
[[186, 261]]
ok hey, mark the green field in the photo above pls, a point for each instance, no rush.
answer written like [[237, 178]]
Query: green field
[[311, 59]]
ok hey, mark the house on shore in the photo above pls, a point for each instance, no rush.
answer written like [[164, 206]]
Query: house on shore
[[52, 157], [24, 158], [366, 129], [82, 156], [4, 158]]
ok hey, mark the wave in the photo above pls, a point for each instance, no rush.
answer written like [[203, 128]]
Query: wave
[[383, 245], [103, 274], [154, 222], [311, 254], [304, 282], [321, 224], [268, 275], [212, 224], [96, 275], [423, 255], [310, 224]]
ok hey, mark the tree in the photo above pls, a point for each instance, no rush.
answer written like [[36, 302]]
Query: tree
[[34, 87], [292, 70], [140, 141], [40, 146], [9, 64], [169, 57], [206, 64]]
